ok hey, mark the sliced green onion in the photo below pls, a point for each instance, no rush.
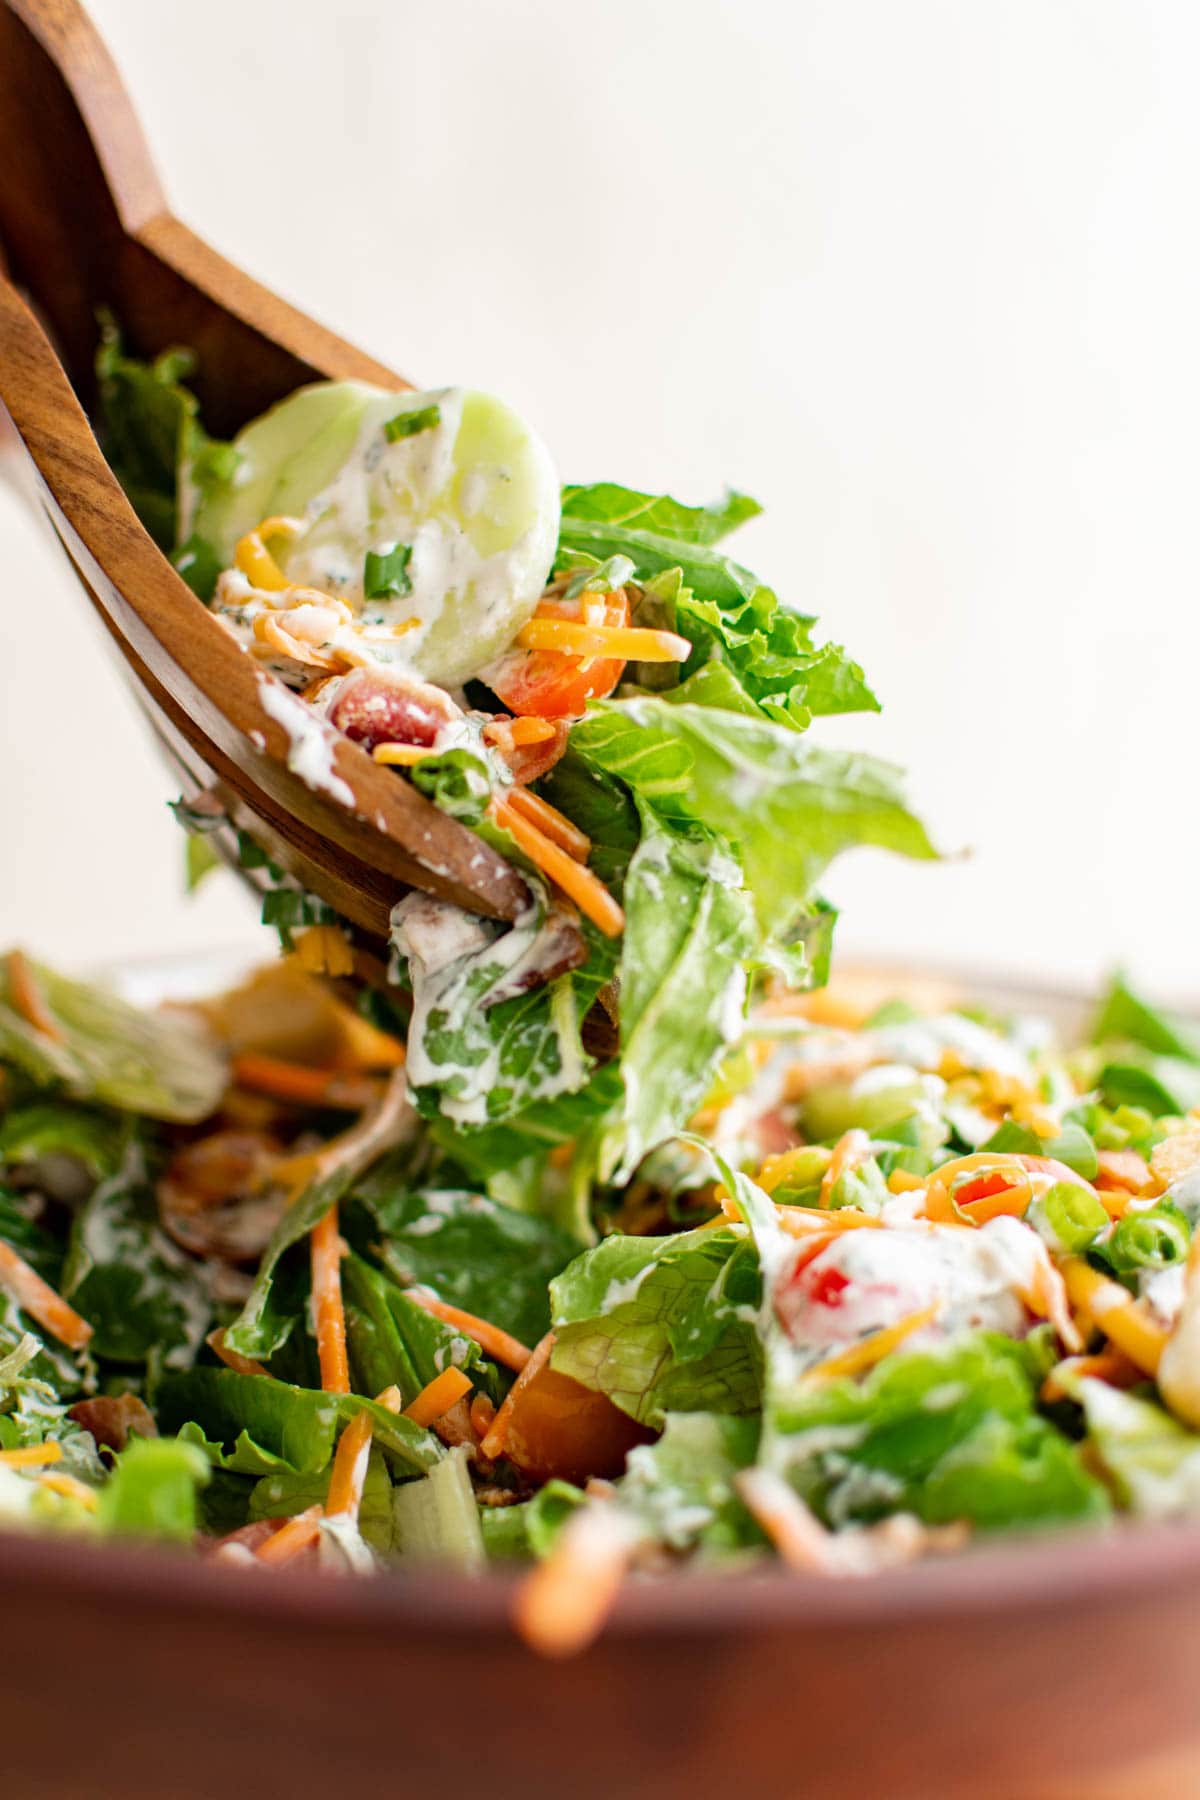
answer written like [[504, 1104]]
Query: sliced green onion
[[1149, 1240], [407, 424], [1072, 1215], [385, 572]]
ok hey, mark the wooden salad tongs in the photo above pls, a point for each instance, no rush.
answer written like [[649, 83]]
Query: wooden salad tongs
[[84, 226]]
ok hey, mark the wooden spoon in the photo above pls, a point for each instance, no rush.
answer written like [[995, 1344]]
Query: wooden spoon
[[83, 225]]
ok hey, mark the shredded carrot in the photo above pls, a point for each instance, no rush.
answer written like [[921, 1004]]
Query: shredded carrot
[[242, 1365], [31, 1456], [26, 993], [1109, 1365], [493, 1443], [870, 1350], [851, 1149], [801, 1221], [70, 1488], [1009, 1202], [39, 1300], [329, 1313], [349, 1474], [438, 1396], [255, 560], [548, 820], [293, 1537], [562, 1605], [629, 642], [801, 1540], [577, 881], [349, 1468], [301, 1085], [482, 1414], [1123, 1320], [324, 950], [491, 1340], [400, 756]]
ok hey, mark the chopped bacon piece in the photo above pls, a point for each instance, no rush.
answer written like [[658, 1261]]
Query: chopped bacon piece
[[378, 706], [111, 1418]]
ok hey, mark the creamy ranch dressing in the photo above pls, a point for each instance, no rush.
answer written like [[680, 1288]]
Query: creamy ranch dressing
[[890, 1274]]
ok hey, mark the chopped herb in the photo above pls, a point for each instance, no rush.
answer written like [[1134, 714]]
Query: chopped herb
[[385, 572], [407, 424]]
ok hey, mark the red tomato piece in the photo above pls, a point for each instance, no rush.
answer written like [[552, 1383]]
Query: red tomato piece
[[551, 684]]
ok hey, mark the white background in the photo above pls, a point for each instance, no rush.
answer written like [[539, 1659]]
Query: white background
[[923, 277]]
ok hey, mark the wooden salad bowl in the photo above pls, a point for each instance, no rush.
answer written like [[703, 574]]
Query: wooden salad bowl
[[1060, 1666], [84, 226]]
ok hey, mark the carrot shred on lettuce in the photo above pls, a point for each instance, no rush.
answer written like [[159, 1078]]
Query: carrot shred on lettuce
[[498, 1344], [40, 1301], [438, 1396], [328, 1311]]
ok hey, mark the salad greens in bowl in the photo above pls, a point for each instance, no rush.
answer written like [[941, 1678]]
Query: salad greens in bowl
[[617, 1239]]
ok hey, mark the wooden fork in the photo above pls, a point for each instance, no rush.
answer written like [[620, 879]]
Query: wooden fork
[[83, 225]]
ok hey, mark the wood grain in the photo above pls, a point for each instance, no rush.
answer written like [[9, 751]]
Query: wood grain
[[83, 224]]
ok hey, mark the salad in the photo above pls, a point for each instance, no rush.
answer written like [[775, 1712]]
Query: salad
[[617, 1238]]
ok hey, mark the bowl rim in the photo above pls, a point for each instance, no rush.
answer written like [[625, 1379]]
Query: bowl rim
[[1079, 1567]]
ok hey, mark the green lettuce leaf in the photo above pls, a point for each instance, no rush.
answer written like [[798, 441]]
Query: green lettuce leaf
[[470, 1250], [1127, 1018], [662, 1324], [681, 1486], [689, 928], [152, 1491], [393, 1341], [790, 807], [255, 1425], [607, 503], [1151, 1459], [281, 1495], [145, 1299], [488, 1036], [948, 1433], [727, 614], [59, 1128], [155, 1064]]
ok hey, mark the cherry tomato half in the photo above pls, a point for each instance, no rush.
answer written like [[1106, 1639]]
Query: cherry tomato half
[[552, 684]]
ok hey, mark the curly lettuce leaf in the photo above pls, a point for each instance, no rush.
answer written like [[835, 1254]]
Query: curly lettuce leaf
[[788, 806], [947, 1433], [727, 613], [607, 503], [282, 1494]]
